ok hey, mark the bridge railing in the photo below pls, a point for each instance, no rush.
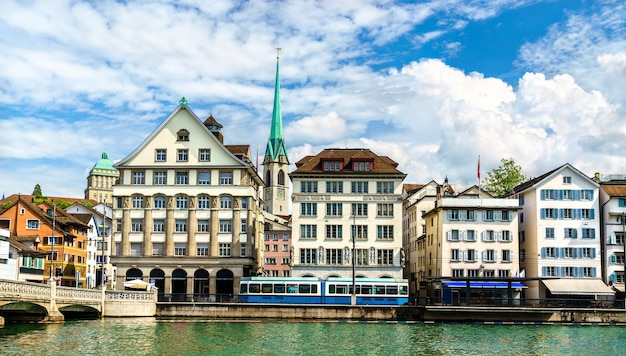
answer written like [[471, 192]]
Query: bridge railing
[[22, 289]]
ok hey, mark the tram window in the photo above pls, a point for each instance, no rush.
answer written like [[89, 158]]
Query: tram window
[[243, 289], [254, 288], [392, 290], [379, 289], [313, 288], [404, 290], [331, 289], [358, 289], [266, 288], [304, 288], [279, 288], [292, 288], [366, 289], [342, 289]]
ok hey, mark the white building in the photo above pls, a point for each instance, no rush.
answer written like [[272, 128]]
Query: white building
[[560, 235], [470, 237], [8, 261], [187, 215], [613, 217], [340, 193]]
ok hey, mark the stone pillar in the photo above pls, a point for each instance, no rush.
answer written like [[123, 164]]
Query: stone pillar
[[215, 228], [212, 287], [126, 227], [169, 227], [192, 228], [148, 225], [54, 315], [235, 248]]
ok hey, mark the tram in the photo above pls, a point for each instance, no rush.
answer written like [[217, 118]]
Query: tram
[[310, 290]]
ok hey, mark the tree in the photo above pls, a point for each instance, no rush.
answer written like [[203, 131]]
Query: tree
[[37, 191], [504, 178]]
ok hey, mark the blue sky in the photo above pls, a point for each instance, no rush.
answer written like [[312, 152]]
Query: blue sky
[[431, 84]]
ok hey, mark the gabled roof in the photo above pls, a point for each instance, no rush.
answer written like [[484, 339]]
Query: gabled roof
[[27, 197], [23, 248], [380, 164], [474, 192], [535, 181], [410, 188]]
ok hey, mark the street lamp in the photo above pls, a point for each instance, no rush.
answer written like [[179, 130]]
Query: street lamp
[[353, 297], [54, 210]]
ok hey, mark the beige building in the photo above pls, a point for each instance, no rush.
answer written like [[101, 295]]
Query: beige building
[[101, 179], [187, 214]]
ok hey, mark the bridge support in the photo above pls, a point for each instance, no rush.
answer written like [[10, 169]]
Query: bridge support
[[54, 315]]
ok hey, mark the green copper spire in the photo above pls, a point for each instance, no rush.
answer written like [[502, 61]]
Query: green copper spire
[[275, 150]]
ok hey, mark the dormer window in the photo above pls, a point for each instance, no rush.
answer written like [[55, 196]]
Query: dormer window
[[332, 166], [182, 135], [362, 166]]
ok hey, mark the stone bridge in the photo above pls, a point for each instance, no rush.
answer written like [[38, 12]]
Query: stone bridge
[[25, 301]]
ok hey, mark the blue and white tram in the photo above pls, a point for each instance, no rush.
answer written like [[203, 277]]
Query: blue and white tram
[[287, 290], [369, 291], [310, 290]]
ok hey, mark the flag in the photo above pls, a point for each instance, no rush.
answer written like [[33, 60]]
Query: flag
[[478, 167]]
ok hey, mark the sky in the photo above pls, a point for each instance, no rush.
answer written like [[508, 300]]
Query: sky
[[431, 84]]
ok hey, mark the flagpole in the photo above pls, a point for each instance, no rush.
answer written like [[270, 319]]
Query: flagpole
[[479, 197]]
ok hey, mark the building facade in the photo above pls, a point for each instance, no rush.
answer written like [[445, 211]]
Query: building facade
[[340, 194], [101, 179], [187, 215], [560, 235], [613, 222]]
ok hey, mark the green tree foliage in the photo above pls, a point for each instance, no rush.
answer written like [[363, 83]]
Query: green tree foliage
[[37, 191], [62, 204], [505, 177]]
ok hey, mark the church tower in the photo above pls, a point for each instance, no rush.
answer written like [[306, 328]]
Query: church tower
[[276, 163]]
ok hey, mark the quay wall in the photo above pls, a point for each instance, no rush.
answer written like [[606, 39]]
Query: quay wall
[[399, 313]]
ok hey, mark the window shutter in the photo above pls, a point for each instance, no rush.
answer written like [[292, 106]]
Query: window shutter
[[544, 270], [484, 215], [543, 252], [613, 278], [449, 235], [562, 273], [475, 215], [463, 215], [484, 256], [462, 235], [593, 272], [495, 255], [613, 239], [512, 255], [543, 213], [464, 255], [543, 194], [592, 214], [575, 233], [612, 259], [593, 252], [576, 194], [560, 214], [590, 194], [449, 215]]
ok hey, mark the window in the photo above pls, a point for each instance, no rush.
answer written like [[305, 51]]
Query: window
[[181, 202], [285, 237], [159, 202], [334, 256], [136, 225], [135, 248], [567, 180], [202, 249], [452, 235], [470, 235], [244, 225], [384, 209], [453, 215], [548, 194], [588, 272], [204, 201], [548, 213], [360, 231], [550, 252], [567, 194], [549, 232], [243, 250], [160, 155], [270, 261], [281, 178], [385, 257], [550, 271], [470, 255], [157, 249], [137, 201], [181, 225], [589, 233], [183, 135], [567, 213], [504, 273], [333, 231], [284, 261], [32, 224], [182, 178], [204, 155], [285, 248], [457, 272], [569, 272], [332, 166], [183, 155], [455, 255], [384, 187], [334, 187], [473, 273], [308, 187], [308, 209], [489, 235], [334, 209], [505, 235], [586, 194], [587, 252], [158, 225], [226, 178], [489, 273], [203, 225], [384, 232], [225, 225], [224, 250], [275, 237], [226, 202], [362, 257], [138, 178], [308, 256], [204, 178], [507, 256], [180, 249], [359, 209], [160, 178], [308, 231], [570, 233], [489, 256], [359, 188], [362, 166]]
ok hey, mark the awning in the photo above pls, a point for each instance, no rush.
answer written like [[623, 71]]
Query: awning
[[481, 284], [573, 286]]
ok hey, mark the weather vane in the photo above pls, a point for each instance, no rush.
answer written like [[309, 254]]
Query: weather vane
[[278, 49]]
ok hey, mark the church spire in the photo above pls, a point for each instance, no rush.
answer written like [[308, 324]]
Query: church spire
[[275, 151]]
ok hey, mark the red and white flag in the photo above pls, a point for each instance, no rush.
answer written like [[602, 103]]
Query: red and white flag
[[479, 168]]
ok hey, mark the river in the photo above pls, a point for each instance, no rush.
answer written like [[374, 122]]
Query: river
[[192, 337]]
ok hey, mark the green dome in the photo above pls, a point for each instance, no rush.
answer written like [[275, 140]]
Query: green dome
[[105, 163]]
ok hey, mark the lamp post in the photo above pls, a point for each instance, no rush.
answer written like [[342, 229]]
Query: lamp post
[[102, 282], [353, 296], [54, 210]]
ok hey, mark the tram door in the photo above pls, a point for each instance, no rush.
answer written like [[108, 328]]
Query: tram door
[[224, 285]]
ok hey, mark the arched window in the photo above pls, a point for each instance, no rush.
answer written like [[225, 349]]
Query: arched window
[[182, 135], [226, 202], [181, 202], [281, 178], [159, 202], [268, 178], [137, 201], [204, 201]]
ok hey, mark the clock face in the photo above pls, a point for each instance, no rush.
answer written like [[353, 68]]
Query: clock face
[[281, 193], [268, 193]]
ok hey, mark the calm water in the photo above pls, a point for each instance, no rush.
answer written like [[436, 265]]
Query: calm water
[[149, 337]]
